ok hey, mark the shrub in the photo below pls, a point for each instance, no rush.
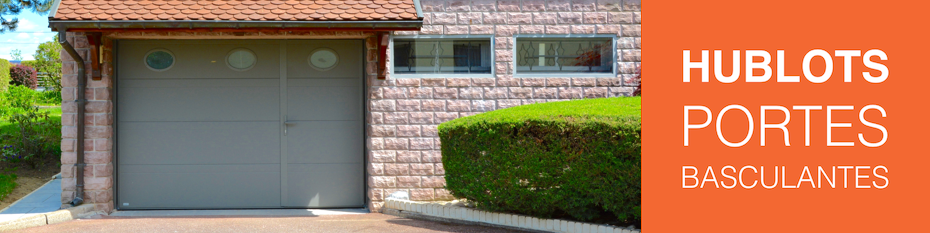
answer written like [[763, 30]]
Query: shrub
[[49, 97], [17, 100], [4, 74], [24, 75], [577, 158], [36, 139]]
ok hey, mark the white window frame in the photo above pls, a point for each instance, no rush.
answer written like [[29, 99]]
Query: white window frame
[[493, 58], [613, 42]]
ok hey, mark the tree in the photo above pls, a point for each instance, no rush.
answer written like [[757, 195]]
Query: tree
[[14, 7], [48, 61], [17, 54]]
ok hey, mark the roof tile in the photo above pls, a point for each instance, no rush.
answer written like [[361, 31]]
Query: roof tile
[[236, 10]]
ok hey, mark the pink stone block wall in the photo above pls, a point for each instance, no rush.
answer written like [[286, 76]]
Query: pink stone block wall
[[404, 150], [98, 123]]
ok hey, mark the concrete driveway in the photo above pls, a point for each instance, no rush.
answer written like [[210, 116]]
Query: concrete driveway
[[324, 223]]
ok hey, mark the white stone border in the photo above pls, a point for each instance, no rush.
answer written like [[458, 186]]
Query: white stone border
[[500, 219], [82, 211]]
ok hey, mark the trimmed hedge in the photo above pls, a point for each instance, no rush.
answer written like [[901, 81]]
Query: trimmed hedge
[[579, 158], [4, 74]]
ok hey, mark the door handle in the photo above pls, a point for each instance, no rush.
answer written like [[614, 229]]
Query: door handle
[[286, 124]]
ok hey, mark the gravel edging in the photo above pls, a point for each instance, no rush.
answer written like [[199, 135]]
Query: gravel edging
[[82, 211], [456, 214]]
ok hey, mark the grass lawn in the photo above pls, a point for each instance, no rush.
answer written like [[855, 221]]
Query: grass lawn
[[7, 183]]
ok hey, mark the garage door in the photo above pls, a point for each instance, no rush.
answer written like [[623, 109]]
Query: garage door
[[205, 124]]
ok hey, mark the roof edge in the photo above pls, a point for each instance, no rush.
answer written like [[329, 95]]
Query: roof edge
[[416, 6], [229, 24], [54, 10]]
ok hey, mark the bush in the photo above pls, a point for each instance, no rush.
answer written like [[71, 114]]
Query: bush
[[28, 134], [17, 100], [49, 97], [36, 138], [577, 158], [24, 75], [4, 74]]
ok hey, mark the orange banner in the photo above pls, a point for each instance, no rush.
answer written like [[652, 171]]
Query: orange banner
[[764, 116]]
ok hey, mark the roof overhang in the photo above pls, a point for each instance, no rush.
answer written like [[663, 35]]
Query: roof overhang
[[107, 25]]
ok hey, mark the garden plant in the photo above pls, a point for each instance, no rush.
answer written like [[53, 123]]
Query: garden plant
[[30, 129]]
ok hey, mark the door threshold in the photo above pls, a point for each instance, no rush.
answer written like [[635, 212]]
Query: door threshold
[[238, 213]]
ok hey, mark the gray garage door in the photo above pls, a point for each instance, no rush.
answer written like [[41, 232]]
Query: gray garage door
[[207, 124]]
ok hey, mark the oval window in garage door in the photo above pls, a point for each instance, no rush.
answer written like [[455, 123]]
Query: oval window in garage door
[[323, 59], [159, 60], [241, 59]]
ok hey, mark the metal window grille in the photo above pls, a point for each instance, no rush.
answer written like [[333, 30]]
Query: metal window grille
[[442, 56], [564, 55]]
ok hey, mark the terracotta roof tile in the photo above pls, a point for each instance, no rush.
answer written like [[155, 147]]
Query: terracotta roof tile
[[260, 10]]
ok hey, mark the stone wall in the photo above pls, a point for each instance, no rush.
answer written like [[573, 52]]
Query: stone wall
[[98, 131], [404, 150]]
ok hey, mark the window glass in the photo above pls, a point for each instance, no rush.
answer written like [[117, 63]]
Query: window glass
[[323, 59], [564, 55], [159, 60], [241, 59], [442, 56]]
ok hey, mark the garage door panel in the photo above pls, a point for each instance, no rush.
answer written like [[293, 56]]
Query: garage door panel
[[203, 186], [327, 82], [325, 185], [325, 142], [199, 143], [176, 101], [349, 52], [201, 135], [176, 83], [199, 59], [324, 103]]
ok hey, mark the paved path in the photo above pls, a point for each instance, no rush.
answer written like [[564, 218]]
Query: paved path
[[45, 199], [323, 223]]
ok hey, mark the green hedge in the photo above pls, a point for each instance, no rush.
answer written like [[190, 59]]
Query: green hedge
[[4, 74], [578, 158]]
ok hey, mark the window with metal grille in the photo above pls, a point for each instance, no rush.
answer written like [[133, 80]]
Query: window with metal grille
[[442, 56], [594, 55]]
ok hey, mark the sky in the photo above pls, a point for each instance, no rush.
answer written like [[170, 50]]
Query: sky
[[32, 31]]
